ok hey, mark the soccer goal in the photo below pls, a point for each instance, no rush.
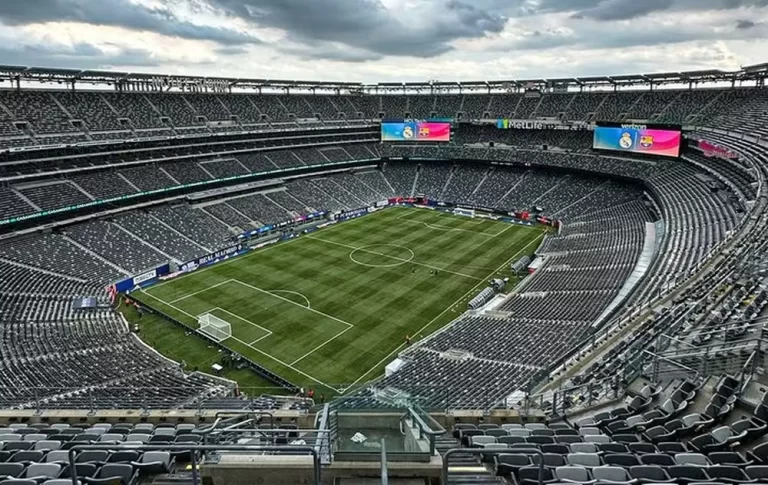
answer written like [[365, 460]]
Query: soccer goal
[[214, 327], [460, 211]]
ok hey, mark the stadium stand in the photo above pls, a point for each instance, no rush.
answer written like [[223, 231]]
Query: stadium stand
[[604, 204]]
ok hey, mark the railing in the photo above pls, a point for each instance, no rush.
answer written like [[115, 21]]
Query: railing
[[323, 444], [483, 451], [144, 398], [425, 423], [384, 471], [748, 371], [193, 452]]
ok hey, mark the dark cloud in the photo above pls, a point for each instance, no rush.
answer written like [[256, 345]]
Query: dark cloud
[[624, 9], [116, 13], [82, 55], [609, 10], [744, 24], [366, 25], [231, 50]]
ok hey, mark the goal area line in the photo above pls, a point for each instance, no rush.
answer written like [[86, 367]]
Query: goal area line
[[268, 333]]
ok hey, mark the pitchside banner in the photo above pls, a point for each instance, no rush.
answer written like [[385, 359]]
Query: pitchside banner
[[412, 130], [130, 283], [662, 140], [212, 258]]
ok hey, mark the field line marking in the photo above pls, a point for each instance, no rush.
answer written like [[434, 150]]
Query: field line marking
[[509, 226], [321, 345], [465, 295], [406, 213], [362, 249], [222, 263], [440, 227], [269, 332], [258, 339], [294, 303], [199, 291], [286, 364], [294, 293], [169, 304], [249, 345]]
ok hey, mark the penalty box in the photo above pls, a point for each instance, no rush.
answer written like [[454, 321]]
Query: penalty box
[[279, 322]]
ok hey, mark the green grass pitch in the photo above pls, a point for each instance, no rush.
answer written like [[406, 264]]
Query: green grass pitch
[[330, 309]]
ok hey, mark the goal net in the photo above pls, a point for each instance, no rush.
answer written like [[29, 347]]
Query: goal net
[[214, 327], [460, 211]]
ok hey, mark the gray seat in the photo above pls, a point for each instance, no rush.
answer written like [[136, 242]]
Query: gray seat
[[613, 474], [115, 437], [583, 448], [509, 426], [696, 459], [57, 456], [35, 437], [573, 474], [47, 445], [155, 462], [587, 460], [597, 438], [113, 473], [11, 470], [142, 437], [479, 441], [144, 428], [41, 471], [535, 426]]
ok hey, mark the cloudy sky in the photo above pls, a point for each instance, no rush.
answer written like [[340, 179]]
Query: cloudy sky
[[385, 40]]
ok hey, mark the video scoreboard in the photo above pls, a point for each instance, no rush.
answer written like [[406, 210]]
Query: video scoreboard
[[416, 130], [648, 139]]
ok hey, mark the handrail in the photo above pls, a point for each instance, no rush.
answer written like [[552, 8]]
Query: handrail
[[384, 471], [426, 428], [678, 364], [323, 433], [483, 451], [747, 372], [192, 449]]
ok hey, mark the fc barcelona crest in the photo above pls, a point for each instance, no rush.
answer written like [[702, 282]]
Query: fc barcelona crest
[[646, 141]]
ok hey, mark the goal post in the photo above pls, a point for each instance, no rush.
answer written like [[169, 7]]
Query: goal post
[[461, 211], [214, 327]]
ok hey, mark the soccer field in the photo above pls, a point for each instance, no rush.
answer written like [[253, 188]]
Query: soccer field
[[330, 309]]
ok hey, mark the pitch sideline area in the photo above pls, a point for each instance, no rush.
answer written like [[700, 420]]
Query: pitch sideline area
[[328, 309]]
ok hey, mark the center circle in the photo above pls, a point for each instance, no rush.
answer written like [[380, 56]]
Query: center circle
[[371, 251]]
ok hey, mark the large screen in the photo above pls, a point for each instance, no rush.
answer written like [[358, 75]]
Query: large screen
[[662, 140], [415, 131]]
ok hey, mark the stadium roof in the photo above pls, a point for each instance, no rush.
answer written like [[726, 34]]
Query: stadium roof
[[26, 74]]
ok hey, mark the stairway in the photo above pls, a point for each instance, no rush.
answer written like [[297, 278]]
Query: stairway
[[464, 469]]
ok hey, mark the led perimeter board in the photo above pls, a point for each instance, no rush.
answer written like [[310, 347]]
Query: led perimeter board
[[648, 139], [414, 130]]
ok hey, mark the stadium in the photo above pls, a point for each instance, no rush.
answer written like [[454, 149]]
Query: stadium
[[232, 280]]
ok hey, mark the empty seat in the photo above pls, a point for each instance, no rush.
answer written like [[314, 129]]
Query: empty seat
[[113, 473], [155, 462], [587, 460], [42, 471], [613, 474], [573, 474], [507, 464], [649, 474]]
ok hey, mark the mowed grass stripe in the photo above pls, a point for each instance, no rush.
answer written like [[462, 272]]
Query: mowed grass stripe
[[383, 304]]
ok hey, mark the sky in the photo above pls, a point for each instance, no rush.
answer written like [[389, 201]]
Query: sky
[[385, 40]]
